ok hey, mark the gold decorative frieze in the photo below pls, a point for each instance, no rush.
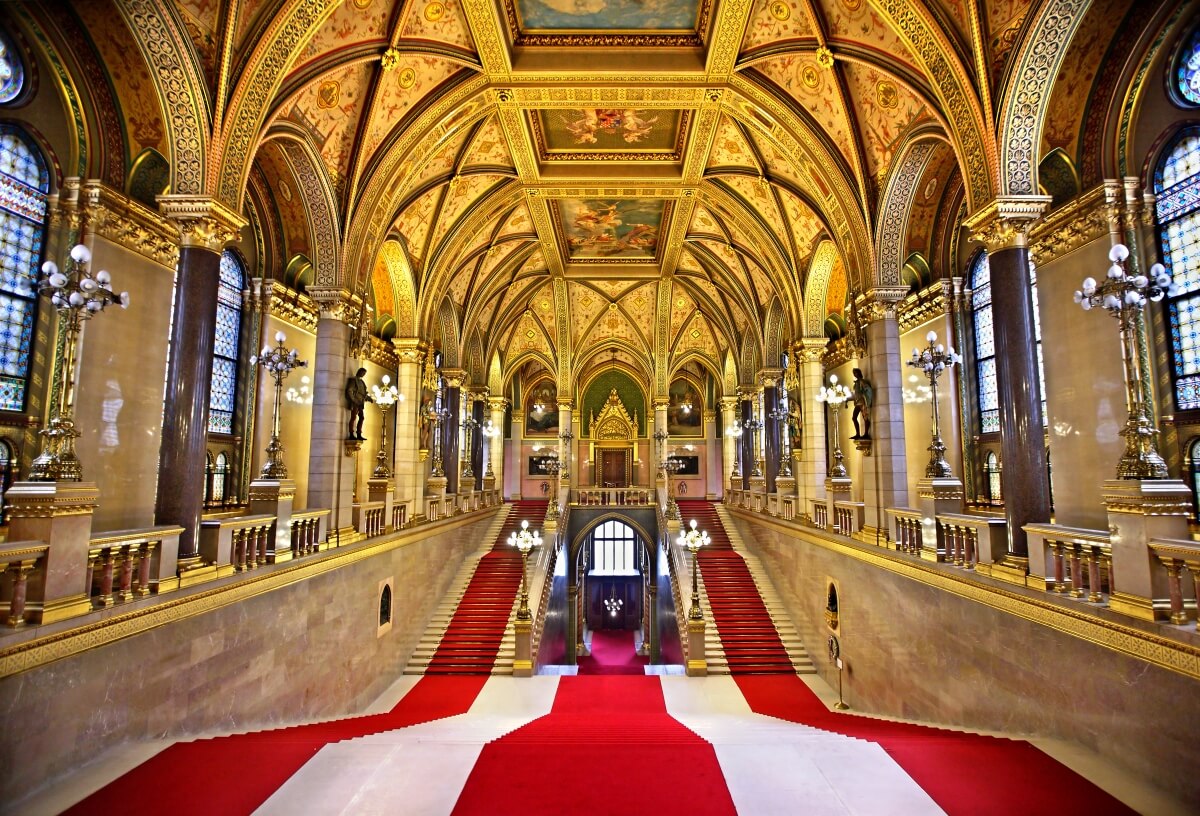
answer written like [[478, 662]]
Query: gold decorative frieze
[[203, 221], [292, 307], [921, 307], [381, 353], [1079, 222], [128, 223]]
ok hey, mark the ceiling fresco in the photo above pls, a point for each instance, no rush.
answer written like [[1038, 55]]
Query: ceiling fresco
[[612, 134], [606, 230], [607, 15]]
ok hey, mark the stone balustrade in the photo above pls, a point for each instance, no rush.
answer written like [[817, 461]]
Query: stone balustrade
[[399, 515], [848, 517], [1177, 555], [308, 530], [1065, 553], [972, 540], [787, 507], [22, 581], [236, 544], [820, 513], [908, 527], [614, 497], [369, 518]]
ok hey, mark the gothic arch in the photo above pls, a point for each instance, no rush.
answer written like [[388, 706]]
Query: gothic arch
[[816, 288], [448, 329], [400, 272], [896, 206], [751, 360], [317, 191], [773, 327]]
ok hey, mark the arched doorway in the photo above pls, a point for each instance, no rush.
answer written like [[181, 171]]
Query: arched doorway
[[614, 611]]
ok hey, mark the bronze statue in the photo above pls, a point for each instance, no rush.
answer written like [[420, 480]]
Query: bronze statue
[[356, 398], [864, 398]]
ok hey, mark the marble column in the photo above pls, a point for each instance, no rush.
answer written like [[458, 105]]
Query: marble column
[[478, 408], [770, 378], [330, 470], [205, 227], [659, 453], [729, 444], [746, 448], [713, 482], [452, 427], [884, 474], [496, 406], [410, 470], [808, 355], [1024, 482]]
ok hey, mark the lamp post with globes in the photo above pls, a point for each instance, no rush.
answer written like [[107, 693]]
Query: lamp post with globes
[[694, 539], [835, 396], [1124, 297], [490, 432], [279, 362], [524, 541], [385, 397], [77, 294], [933, 360]]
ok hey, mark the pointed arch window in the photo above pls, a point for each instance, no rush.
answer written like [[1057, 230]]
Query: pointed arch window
[[613, 549], [1177, 191], [222, 396], [24, 185], [980, 277], [991, 469]]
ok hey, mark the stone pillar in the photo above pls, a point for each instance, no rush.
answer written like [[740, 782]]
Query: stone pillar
[[1140, 510], [770, 378], [885, 483], [330, 472], [713, 481], [205, 227], [729, 444], [58, 514], [478, 403], [746, 440], [808, 355], [1002, 227], [409, 476], [451, 428], [659, 455], [496, 446]]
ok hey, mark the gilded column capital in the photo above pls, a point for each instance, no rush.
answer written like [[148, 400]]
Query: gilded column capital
[[881, 303], [727, 403], [335, 303], [203, 221], [478, 393], [770, 377], [661, 403], [566, 404], [454, 377], [1005, 222], [497, 403], [1149, 210], [810, 349], [409, 349], [747, 392]]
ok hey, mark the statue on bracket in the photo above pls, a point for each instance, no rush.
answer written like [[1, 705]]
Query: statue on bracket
[[864, 398], [356, 398]]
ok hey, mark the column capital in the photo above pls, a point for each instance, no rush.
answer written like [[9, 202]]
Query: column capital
[[478, 393], [127, 223], [770, 377], [881, 303], [497, 403], [746, 392], [661, 403], [728, 403], [810, 349], [566, 404], [409, 349], [454, 377], [334, 303], [203, 221], [1005, 222]]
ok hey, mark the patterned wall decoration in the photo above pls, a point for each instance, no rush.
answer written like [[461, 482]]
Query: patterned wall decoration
[[895, 208], [596, 394]]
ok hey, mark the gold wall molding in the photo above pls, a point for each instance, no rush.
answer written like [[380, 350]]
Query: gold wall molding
[[292, 307], [1079, 222], [921, 307], [128, 223], [1140, 644], [891, 240], [381, 353], [40, 651]]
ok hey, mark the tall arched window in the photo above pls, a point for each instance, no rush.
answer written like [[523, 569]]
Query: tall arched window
[[613, 548], [991, 469], [225, 351], [985, 342], [220, 470], [1193, 466], [24, 184], [1177, 186]]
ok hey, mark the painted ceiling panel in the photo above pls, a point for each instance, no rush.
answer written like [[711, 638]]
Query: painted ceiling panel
[[489, 148], [885, 110], [857, 21], [292, 213], [835, 295], [439, 21], [586, 303], [762, 202], [247, 18], [542, 305], [1004, 20], [639, 304], [927, 199], [614, 325], [957, 12], [461, 194], [201, 17], [331, 108], [705, 223], [415, 221], [518, 223], [776, 20], [816, 90], [682, 309], [528, 336], [352, 23], [697, 335], [730, 148], [804, 224], [401, 87], [442, 159]]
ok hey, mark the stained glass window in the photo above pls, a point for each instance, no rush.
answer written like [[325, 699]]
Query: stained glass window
[[991, 466], [1177, 187], [1187, 70], [613, 546], [225, 350], [24, 183], [12, 71], [985, 343], [218, 481]]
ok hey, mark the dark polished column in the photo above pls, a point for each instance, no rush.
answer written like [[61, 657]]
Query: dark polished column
[[746, 448], [771, 437], [452, 427], [205, 228], [1023, 480], [478, 466]]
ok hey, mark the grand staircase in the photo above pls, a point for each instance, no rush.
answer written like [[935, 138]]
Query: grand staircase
[[471, 631], [753, 633]]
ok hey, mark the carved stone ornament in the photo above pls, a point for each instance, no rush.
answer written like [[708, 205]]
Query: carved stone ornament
[[1005, 223], [128, 223], [613, 423], [881, 303], [337, 304], [409, 349], [1080, 222], [203, 221]]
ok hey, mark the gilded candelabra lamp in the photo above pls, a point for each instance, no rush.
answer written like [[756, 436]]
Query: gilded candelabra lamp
[[755, 425], [671, 466], [437, 414], [781, 416], [694, 539], [552, 466], [469, 424], [566, 437], [490, 432], [933, 360], [734, 432], [385, 397], [77, 295], [524, 541], [835, 395], [1124, 296], [279, 362]]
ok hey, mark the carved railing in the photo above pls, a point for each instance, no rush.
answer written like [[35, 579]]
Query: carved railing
[[308, 530], [906, 523], [399, 515], [369, 518], [1068, 552], [787, 506], [971, 540], [614, 496], [236, 544], [22, 581], [1177, 555], [820, 513], [848, 517], [126, 564]]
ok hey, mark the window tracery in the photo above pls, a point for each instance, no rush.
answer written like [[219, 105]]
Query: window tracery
[[12, 71], [223, 393], [613, 549], [1187, 71], [1177, 190], [24, 185]]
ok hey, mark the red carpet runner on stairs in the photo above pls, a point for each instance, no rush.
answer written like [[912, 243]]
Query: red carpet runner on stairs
[[612, 653], [472, 639], [608, 746], [748, 636]]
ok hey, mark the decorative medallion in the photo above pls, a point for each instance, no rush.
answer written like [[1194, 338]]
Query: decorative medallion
[[780, 10], [328, 93], [825, 57], [285, 192], [434, 12], [407, 78], [886, 94], [362, 4]]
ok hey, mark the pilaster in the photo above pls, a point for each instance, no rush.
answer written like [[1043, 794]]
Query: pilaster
[[330, 466], [885, 482]]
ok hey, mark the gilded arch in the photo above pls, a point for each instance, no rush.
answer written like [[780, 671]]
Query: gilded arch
[[895, 208], [816, 288], [319, 201]]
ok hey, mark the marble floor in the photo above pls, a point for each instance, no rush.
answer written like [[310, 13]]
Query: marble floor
[[770, 766]]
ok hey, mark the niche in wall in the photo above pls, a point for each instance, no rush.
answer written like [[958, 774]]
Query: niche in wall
[[831, 605], [385, 607]]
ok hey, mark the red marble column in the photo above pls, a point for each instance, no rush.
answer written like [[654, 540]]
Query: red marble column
[[746, 440], [771, 441]]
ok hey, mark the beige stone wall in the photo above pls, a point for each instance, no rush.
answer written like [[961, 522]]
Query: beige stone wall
[[372, 423], [911, 650], [918, 406], [305, 650], [119, 397], [295, 417]]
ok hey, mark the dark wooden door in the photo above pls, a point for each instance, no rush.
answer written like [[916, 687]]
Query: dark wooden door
[[612, 468]]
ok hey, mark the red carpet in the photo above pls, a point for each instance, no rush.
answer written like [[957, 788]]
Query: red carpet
[[607, 747], [963, 773], [472, 639], [236, 774], [612, 653], [748, 636]]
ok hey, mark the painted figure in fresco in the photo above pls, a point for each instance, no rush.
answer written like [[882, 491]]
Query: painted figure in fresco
[[864, 398], [356, 398]]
